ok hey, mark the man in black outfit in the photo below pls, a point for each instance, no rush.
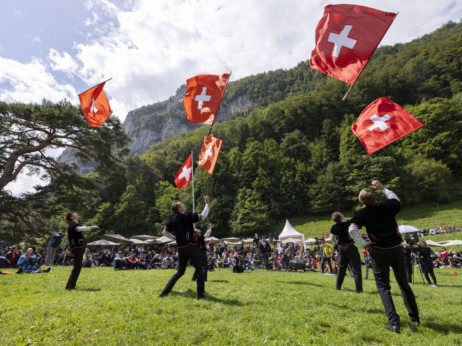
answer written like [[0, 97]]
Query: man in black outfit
[[182, 224], [407, 262], [77, 245], [426, 262], [348, 252], [386, 250], [265, 250]]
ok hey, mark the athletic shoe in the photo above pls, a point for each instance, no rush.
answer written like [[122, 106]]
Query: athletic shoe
[[393, 328], [433, 286]]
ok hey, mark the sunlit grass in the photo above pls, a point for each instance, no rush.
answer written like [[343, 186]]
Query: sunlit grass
[[123, 308]]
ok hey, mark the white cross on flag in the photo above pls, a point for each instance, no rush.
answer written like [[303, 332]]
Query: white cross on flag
[[185, 174], [203, 96], [346, 38], [383, 122], [209, 153]]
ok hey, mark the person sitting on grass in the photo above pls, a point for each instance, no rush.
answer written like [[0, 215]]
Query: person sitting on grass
[[142, 262], [87, 259], [28, 263], [132, 260], [119, 261], [13, 256]]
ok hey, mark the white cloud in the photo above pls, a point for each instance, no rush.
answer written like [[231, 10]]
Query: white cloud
[[31, 82], [18, 14], [62, 62]]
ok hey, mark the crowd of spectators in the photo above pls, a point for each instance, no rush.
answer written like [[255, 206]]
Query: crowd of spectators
[[240, 257]]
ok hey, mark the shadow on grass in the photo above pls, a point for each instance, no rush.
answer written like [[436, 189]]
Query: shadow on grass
[[443, 328], [300, 283], [192, 294], [369, 310], [223, 281], [89, 289]]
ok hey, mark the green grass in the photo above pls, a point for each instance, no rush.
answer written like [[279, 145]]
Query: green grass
[[422, 216], [260, 307]]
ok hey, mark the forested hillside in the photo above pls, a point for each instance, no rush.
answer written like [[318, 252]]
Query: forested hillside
[[293, 153]]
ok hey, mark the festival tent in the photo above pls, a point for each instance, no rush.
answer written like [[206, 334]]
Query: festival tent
[[213, 239], [290, 240], [434, 243], [232, 239], [116, 237], [290, 232], [137, 241], [248, 241], [162, 240], [310, 241], [102, 242], [452, 243], [145, 237]]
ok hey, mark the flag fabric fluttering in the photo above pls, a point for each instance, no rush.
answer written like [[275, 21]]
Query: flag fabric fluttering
[[203, 97], [95, 105], [346, 38], [185, 174], [209, 153], [383, 122]]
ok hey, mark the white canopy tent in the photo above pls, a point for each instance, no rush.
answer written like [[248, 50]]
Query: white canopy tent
[[291, 233]]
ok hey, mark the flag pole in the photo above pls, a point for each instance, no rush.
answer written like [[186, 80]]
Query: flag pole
[[351, 86], [210, 131], [107, 80], [192, 182]]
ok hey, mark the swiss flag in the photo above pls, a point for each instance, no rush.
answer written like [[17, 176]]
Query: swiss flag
[[185, 174], [209, 153], [346, 38], [203, 97], [383, 122], [95, 105]]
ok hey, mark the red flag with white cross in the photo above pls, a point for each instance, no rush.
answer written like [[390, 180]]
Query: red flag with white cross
[[185, 174], [346, 38], [203, 97], [383, 122], [209, 153], [95, 105]]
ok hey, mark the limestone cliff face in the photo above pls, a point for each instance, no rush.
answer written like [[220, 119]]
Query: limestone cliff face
[[151, 124]]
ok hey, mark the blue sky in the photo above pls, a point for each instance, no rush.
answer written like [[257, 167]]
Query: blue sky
[[55, 49]]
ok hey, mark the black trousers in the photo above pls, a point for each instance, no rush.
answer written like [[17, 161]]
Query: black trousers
[[78, 258], [191, 252], [205, 266], [329, 262], [349, 255], [408, 267], [382, 260], [264, 258]]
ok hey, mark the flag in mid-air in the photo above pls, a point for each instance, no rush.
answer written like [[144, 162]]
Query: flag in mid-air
[[95, 105], [209, 153], [383, 122], [346, 38], [203, 97], [185, 174]]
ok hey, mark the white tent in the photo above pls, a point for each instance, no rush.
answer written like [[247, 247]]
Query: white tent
[[290, 233]]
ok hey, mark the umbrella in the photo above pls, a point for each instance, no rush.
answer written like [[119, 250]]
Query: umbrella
[[117, 238], [136, 241], [145, 237], [310, 241], [231, 239], [213, 240], [4, 263], [248, 240], [163, 239], [102, 242], [173, 242], [407, 229], [452, 243]]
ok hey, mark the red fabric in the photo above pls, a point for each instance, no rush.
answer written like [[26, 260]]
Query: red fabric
[[365, 26], [95, 105], [184, 175], [400, 123], [203, 97], [209, 153]]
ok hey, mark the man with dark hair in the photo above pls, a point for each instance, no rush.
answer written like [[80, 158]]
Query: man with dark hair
[[182, 224], [53, 244], [426, 262], [348, 252], [77, 245], [385, 243], [265, 250]]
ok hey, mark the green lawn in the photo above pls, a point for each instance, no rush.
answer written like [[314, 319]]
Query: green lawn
[[122, 308]]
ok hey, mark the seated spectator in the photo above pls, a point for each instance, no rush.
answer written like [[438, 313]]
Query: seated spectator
[[87, 259], [156, 262], [13, 256], [28, 263], [142, 262], [119, 261], [131, 261], [105, 259]]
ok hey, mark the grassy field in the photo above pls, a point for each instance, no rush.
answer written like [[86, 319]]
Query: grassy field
[[122, 308]]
